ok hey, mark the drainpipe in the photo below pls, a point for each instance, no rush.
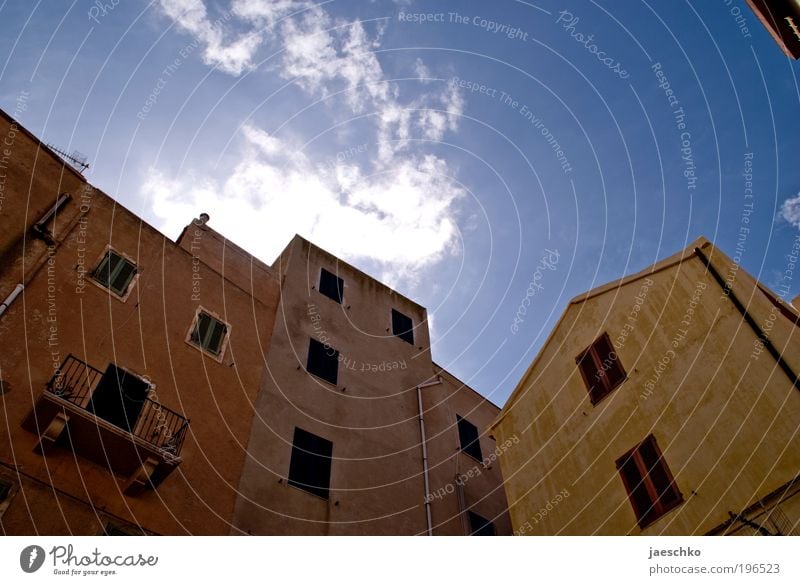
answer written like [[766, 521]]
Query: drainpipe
[[10, 298], [423, 440], [749, 320], [49, 240]]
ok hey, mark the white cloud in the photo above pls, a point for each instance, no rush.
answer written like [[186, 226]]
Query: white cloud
[[231, 56], [402, 219], [267, 12], [790, 210], [396, 209], [321, 55]]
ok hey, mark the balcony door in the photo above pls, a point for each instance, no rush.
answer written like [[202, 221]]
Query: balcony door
[[119, 398]]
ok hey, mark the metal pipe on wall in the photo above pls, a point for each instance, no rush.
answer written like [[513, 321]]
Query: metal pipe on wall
[[424, 442]]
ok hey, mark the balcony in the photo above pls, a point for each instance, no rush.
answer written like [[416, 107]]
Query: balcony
[[109, 418]]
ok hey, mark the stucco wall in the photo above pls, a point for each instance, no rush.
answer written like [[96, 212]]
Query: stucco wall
[[725, 419]]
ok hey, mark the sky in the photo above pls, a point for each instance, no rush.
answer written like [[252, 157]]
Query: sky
[[490, 160]]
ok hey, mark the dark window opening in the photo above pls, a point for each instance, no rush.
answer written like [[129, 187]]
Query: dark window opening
[[115, 272], [111, 529], [480, 526], [5, 490], [323, 361], [119, 398], [310, 467], [648, 481], [331, 286], [469, 438], [600, 368], [209, 333], [402, 327]]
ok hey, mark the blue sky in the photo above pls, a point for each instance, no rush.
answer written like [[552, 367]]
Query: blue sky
[[445, 147]]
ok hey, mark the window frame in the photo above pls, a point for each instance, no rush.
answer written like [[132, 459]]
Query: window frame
[[409, 332], [316, 343], [604, 384], [339, 284], [657, 509], [472, 444], [107, 287], [225, 338], [321, 491]]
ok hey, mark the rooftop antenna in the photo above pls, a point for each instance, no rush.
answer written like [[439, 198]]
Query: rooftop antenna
[[76, 160]]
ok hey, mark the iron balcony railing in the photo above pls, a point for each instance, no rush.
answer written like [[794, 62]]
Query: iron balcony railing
[[75, 382]]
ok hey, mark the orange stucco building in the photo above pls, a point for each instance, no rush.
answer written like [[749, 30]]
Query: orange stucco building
[[152, 386]]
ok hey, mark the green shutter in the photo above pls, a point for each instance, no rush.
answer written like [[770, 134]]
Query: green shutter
[[122, 275], [102, 272], [209, 333], [200, 327], [215, 336], [115, 272]]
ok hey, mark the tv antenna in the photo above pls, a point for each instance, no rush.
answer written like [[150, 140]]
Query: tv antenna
[[77, 159]]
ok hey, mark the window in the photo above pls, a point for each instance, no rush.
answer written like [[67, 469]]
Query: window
[[5, 490], [480, 526], [310, 467], [331, 285], [208, 333], [115, 273], [111, 529], [601, 369], [323, 361], [468, 437], [648, 481], [402, 327], [5, 495]]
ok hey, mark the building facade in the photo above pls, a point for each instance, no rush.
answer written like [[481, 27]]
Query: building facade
[[123, 411], [664, 403], [350, 382], [152, 386]]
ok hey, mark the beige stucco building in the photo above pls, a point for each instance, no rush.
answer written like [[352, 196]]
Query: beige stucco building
[[165, 387], [663, 403], [350, 368]]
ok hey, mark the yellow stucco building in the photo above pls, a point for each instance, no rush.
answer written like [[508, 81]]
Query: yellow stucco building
[[664, 403]]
